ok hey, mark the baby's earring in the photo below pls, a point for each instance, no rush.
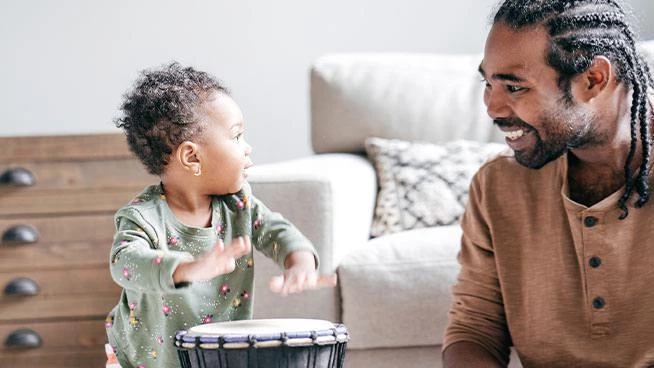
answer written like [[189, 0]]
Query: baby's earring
[[198, 172]]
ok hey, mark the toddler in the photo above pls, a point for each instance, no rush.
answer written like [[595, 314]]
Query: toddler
[[182, 251]]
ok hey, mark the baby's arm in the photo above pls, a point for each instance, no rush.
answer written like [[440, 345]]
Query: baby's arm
[[300, 274], [218, 261], [136, 263]]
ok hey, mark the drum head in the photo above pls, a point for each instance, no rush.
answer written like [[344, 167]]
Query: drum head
[[260, 327]]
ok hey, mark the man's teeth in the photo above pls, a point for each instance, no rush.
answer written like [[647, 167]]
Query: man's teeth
[[515, 134]]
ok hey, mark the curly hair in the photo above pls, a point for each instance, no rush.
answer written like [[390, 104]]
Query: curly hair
[[161, 111], [579, 31]]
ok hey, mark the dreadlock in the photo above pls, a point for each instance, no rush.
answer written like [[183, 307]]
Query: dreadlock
[[579, 31]]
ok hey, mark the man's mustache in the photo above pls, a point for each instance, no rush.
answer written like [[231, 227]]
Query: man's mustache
[[511, 122]]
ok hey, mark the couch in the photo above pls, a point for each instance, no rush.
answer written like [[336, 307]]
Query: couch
[[394, 290]]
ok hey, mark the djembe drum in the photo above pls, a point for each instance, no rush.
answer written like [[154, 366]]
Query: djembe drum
[[269, 343]]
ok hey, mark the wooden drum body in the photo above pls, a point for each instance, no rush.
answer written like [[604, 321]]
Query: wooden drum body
[[269, 343]]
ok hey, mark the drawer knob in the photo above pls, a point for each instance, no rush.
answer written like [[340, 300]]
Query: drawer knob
[[20, 234], [23, 339], [22, 286], [18, 177]]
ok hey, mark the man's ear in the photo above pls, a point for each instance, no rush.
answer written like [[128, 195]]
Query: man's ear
[[596, 78], [186, 155]]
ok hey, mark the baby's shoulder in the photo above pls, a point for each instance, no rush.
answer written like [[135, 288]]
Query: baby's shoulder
[[147, 200], [241, 200]]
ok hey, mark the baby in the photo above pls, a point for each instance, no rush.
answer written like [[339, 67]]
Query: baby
[[182, 251]]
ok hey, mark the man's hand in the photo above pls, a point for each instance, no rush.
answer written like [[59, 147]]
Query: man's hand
[[300, 275], [218, 261]]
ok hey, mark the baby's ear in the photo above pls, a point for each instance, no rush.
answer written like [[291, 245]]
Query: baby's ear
[[186, 156]]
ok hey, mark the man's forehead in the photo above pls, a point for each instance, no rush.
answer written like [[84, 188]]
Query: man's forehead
[[515, 52]]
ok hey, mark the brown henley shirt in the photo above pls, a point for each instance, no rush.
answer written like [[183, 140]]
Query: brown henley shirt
[[567, 285]]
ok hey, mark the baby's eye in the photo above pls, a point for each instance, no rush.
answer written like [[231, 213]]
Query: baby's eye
[[238, 138]]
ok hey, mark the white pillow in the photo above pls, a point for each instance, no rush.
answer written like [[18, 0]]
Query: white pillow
[[423, 184]]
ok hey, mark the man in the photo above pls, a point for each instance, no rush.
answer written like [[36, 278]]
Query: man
[[558, 248]]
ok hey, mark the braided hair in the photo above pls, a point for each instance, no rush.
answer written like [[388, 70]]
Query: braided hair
[[580, 30]]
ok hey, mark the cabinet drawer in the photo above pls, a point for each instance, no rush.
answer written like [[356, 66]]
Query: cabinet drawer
[[69, 175], [59, 242], [64, 344], [58, 148], [60, 293], [65, 202]]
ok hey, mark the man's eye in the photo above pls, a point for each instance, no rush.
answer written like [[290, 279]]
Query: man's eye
[[485, 83], [514, 89]]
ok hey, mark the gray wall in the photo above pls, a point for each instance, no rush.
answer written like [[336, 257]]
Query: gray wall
[[66, 63]]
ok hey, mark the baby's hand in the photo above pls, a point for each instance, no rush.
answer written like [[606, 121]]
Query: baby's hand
[[300, 275], [218, 261]]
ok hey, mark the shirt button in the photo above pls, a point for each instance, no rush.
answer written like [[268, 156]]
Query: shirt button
[[595, 262], [598, 302], [590, 221]]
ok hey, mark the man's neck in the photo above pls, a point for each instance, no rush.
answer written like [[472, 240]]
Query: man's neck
[[594, 174], [590, 184], [597, 170]]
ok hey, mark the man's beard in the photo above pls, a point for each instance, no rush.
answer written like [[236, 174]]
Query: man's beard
[[564, 130]]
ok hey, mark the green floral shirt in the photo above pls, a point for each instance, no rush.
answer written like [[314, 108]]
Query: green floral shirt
[[149, 244]]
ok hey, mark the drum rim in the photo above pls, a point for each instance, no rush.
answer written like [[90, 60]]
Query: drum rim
[[337, 334]]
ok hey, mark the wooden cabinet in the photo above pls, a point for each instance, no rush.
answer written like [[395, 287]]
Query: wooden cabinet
[[58, 196]]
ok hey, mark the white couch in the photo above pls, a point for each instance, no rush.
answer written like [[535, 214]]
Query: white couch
[[394, 291]]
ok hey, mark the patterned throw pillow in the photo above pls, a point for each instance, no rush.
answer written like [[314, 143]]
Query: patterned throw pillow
[[423, 184]]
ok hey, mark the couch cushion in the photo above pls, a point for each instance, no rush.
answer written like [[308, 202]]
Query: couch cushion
[[396, 290], [423, 184], [435, 98]]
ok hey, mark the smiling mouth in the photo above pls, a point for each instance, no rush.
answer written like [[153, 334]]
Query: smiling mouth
[[514, 134], [513, 128]]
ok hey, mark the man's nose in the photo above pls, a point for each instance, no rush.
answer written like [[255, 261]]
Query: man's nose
[[496, 106]]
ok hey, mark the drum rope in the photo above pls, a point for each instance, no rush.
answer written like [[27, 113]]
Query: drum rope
[[252, 352], [314, 351], [285, 350], [333, 349], [197, 351], [184, 358], [341, 355], [286, 354], [332, 356], [222, 362], [222, 357]]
